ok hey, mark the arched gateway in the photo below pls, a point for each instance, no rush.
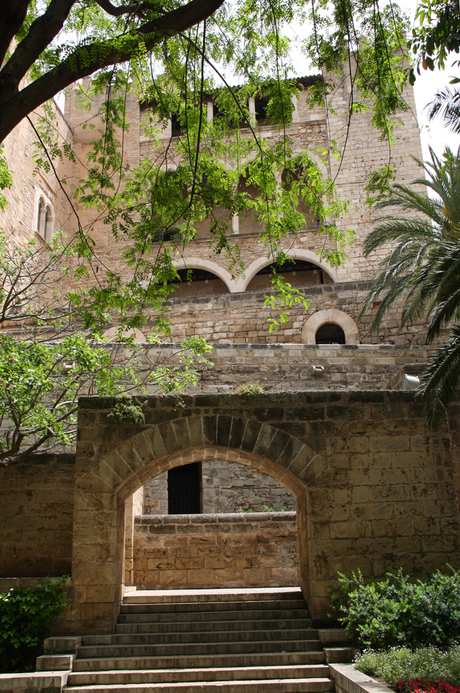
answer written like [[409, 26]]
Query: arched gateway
[[359, 480]]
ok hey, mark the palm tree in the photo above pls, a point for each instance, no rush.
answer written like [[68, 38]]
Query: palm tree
[[423, 268], [446, 105]]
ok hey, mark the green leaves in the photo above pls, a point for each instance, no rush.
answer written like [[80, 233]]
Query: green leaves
[[395, 611], [25, 618]]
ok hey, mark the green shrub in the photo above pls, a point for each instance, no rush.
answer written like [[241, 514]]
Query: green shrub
[[402, 663], [395, 612], [25, 618]]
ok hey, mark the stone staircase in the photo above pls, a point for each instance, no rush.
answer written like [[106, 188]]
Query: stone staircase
[[229, 641]]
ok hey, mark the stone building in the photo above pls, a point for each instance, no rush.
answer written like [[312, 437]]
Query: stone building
[[371, 486]]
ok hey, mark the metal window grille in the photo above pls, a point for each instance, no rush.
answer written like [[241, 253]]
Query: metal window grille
[[330, 334]]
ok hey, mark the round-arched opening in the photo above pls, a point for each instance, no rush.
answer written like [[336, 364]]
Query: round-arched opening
[[48, 225], [211, 523], [197, 282], [296, 272], [330, 333], [40, 217]]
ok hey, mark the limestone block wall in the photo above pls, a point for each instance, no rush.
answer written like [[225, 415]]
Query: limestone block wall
[[20, 217], [226, 488], [197, 551], [242, 317], [286, 367], [374, 488], [36, 516]]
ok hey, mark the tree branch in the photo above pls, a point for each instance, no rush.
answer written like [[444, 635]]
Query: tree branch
[[87, 59], [12, 16], [119, 11]]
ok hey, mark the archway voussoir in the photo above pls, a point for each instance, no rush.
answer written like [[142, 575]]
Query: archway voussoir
[[237, 433], [315, 467], [168, 436], [195, 430], [210, 430], [290, 451], [142, 448], [301, 460], [107, 474], [264, 441], [279, 443], [182, 433], [224, 427], [251, 434]]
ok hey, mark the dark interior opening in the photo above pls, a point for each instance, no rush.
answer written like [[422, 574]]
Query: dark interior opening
[[184, 489], [330, 334], [261, 105]]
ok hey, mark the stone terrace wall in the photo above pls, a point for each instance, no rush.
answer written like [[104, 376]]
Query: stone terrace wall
[[242, 317], [286, 367], [36, 512], [235, 550]]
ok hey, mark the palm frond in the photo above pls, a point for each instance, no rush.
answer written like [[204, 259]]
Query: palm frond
[[441, 379], [446, 105]]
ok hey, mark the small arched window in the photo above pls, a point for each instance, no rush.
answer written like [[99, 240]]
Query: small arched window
[[40, 217], [330, 333], [48, 225]]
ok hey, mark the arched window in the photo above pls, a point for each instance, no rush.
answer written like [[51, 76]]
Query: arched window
[[330, 333], [40, 217], [48, 224], [45, 218]]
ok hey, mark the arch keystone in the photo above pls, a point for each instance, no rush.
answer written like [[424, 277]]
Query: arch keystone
[[195, 429]]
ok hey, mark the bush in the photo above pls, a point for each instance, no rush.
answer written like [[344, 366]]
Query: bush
[[394, 611], [25, 618], [402, 665]]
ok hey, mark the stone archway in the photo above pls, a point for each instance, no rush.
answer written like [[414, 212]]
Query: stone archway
[[330, 315], [116, 471]]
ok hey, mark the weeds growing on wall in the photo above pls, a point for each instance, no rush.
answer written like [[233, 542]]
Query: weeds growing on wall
[[401, 667], [396, 612], [25, 618]]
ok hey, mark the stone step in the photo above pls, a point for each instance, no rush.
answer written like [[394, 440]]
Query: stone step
[[255, 659], [129, 676], [208, 626], [186, 638], [213, 595], [153, 616], [196, 648], [267, 604], [313, 685]]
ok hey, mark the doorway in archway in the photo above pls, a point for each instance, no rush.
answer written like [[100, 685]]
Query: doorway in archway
[[242, 531]]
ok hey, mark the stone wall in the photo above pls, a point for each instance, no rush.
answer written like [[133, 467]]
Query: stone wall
[[19, 219], [374, 488], [232, 550], [286, 367], [36, 513], [226, 488], [242, 318]]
